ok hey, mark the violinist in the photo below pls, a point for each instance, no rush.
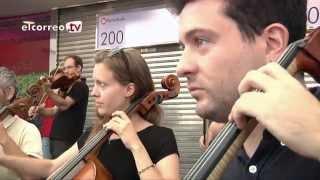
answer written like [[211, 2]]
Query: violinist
[[139, 148], [223, 40], [283, 98], [69, 111], [17, 136]]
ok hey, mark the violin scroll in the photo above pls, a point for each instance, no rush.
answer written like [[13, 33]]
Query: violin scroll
[[35, 91], [19, 107]]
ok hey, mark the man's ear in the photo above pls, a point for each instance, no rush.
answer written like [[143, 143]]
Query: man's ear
[[131, 88], [79, 69], [277, 37], [10, 91]]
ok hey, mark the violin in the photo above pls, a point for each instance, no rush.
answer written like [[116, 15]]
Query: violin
[[36, 93], [63, 82], [213, 162], [21, 105], [18, 107], [37, 96], [93, 168], [57, 80]]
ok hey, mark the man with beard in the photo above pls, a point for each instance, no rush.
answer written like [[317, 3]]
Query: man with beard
[[223, 41]]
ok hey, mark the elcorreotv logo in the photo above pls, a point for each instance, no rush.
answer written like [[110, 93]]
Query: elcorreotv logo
[[71, 27], [74, 26]]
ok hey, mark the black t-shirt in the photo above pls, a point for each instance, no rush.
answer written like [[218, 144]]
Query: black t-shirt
[[68, 124], [119, 161]]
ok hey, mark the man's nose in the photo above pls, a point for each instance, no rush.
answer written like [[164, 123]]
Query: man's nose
[[94, 91], [187, 65]]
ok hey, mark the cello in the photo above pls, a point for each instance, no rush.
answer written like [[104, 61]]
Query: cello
[[93, 169], [213, 162]]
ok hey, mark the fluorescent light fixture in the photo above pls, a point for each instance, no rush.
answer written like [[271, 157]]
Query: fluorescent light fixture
[[28, 22]]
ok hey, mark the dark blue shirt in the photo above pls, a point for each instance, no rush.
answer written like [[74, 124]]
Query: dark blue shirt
[[273, 161]]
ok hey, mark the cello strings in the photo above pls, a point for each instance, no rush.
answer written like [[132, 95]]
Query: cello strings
[[90, 145], [212, 147]]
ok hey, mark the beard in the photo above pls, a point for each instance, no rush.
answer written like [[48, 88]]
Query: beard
[[213, 112]]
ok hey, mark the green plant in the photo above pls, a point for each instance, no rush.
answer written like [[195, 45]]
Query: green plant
[[24, 81]]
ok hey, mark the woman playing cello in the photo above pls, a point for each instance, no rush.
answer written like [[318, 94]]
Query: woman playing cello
[[138, 148]]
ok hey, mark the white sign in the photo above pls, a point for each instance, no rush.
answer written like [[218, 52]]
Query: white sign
[[313, 14], [133, 29]]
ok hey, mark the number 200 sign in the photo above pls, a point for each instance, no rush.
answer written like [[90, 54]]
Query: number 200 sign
[[112, 38], [110, 32], [313, 14]]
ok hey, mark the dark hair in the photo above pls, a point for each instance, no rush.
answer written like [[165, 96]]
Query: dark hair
[[252, 16], [76, 59], [128, 66]]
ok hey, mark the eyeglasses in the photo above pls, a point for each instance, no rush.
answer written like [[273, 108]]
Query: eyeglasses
[[120, 52], [67, 67]]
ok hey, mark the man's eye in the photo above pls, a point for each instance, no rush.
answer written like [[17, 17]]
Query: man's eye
[[103, 85], [200, 41], [100, 84]]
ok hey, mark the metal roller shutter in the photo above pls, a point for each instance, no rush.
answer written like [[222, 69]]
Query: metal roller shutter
[[179, 113]]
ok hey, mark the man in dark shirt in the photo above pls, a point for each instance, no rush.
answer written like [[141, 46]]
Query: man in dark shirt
[[70, 110], [223, 40], [301, 129]]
